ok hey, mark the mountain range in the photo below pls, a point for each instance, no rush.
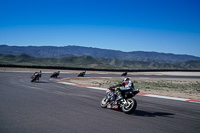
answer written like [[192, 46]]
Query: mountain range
[[98, 63], [69, 51]]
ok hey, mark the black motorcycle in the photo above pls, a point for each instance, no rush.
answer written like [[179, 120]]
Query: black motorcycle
[[124, 74], [81, 74], [127, 104], [35, 76], [55, 74]]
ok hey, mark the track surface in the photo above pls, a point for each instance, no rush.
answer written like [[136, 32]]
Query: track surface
[[46, 106]]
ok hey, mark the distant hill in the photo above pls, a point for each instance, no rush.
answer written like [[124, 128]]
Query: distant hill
[[66, 51], [72, 61], [90, 62]]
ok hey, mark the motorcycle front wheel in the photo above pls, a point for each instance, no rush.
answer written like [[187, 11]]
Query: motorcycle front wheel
[[34, 79], [104, 102], [130, 106]]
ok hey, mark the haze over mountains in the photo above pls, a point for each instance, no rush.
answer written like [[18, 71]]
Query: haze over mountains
[[66, 51]]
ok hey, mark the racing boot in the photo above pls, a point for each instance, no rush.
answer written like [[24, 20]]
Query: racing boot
[[110, 104], [115, 106]]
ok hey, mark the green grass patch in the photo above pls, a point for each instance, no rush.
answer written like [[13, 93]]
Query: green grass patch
[[165, 86]]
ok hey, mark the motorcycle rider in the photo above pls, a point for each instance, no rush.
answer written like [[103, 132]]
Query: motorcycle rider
[[40, 73], [126, 85], [56, 73]]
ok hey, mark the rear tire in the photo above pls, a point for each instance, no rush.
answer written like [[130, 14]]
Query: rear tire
[[131, 107]]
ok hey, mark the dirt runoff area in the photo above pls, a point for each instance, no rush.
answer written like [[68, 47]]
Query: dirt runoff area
[[182, 88]]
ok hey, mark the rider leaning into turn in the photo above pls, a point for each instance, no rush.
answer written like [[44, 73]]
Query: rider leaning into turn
[[126, 85], [40, 73]]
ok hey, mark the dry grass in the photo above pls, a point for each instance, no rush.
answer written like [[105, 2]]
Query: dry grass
[[183, 88]]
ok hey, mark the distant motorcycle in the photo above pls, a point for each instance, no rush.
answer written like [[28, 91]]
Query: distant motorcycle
[[82, 74], [128, 104], [55, 74], [124, 74], [35, 76]]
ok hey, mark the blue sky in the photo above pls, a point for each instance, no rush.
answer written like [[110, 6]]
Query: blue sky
[[169, 26]]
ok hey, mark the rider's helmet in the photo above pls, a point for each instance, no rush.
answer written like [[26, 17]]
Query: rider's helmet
[[127, 83], [126, 79]]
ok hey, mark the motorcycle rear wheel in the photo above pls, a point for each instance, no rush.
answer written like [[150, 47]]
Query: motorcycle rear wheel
[[130, 107]]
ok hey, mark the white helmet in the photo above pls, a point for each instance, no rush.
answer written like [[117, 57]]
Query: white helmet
[[126, 79]]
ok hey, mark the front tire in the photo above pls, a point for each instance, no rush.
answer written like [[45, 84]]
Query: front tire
[[34, 79], [130, 107], [104, 102]]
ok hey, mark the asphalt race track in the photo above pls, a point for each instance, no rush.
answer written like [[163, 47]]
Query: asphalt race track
[[49, 107]]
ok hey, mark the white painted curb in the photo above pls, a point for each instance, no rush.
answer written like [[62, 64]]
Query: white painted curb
[[148, 95]]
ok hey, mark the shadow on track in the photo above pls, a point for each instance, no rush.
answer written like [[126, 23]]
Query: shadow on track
[[152, 114], [42, 82], [149, 114]]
